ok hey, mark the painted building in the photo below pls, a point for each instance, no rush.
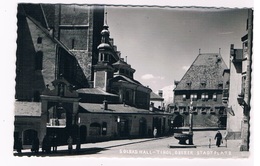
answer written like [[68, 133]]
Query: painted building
[[72, 81], [240, 87], [201, 90]]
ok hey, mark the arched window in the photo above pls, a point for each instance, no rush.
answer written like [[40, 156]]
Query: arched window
[[39, 40], [95, 129], [38, 60]]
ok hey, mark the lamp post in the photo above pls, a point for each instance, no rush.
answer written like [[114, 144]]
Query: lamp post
[[191, 124]]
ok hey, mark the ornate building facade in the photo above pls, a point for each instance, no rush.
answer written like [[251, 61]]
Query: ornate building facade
[[201, 90]]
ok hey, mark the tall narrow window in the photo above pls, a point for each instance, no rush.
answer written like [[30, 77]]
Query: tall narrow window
[[73, 44], [39, 40], [38, 60]]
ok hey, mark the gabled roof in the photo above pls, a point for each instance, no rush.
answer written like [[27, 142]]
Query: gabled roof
[[206, 72]]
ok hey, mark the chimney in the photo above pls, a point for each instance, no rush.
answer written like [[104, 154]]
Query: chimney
[[160, 93], [232, 52]]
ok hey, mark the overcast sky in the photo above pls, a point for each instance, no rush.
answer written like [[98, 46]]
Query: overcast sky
[[161, 43]]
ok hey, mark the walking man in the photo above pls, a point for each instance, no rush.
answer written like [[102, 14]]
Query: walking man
[[70, 142], [218, 137]]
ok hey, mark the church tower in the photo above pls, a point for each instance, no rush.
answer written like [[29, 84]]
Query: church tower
[[103, 70]]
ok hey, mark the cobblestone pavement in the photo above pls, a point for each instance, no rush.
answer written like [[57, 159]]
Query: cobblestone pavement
[[154, 148]]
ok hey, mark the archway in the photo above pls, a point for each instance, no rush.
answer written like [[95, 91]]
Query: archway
[[142, 127], [178, 121], [157, 123]]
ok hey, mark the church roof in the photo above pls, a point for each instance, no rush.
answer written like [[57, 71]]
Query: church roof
[[94, 91], [205, 73]]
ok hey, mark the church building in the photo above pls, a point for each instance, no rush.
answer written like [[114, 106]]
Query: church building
[[72, 81]]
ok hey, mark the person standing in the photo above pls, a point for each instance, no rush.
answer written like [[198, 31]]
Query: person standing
[[46, 144], [35, 145], [78, 145], [54, 143], [218, 138], [70, 142], [155, 132], [19, 145]]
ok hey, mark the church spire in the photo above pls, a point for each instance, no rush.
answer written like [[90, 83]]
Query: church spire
[[105, 26]]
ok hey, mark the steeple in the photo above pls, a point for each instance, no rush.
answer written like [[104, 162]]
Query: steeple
[[103, 69], [105, 32]]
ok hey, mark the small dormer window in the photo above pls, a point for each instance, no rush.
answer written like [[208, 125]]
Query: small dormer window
[[203, 84], [188, 84], [220, 85]]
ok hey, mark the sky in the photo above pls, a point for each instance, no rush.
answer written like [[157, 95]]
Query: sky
[[161, 43]]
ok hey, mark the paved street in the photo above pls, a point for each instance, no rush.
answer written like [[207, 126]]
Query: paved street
[[154, 148]]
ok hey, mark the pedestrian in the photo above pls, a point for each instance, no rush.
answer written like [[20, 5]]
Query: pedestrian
[[78, 145], [18, 145], [218, 138], [70, 142], [155, 132], [54, 143], [35, 145], [46, 144]]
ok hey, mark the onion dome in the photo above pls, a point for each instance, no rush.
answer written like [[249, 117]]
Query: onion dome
[[104, 46], [105, 32]]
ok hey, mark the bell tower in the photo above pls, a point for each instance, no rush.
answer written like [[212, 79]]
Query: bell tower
[[103, 70]]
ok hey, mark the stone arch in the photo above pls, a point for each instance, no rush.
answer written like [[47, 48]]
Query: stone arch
[[142, 126], [178, 121]]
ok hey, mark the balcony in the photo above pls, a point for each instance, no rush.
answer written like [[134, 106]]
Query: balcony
[[56, 123]]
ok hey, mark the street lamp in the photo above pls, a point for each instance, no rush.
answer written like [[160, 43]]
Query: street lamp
[[191, 124]]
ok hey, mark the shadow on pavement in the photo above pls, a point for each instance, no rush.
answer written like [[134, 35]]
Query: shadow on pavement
[[83, 151]]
